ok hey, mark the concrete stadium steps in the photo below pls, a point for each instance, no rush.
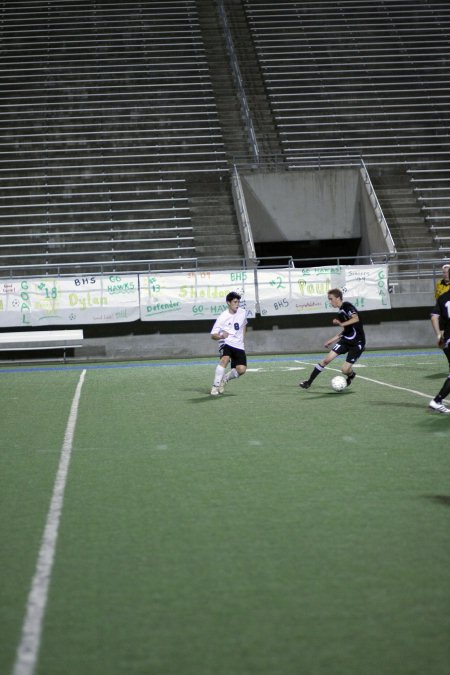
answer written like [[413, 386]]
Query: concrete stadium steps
[[225, 94], [262, 115], [401, 209], [213, 218], [431, 185]]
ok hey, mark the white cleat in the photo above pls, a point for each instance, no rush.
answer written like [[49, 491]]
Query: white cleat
[[222, 386], [215, 391], [438, 407]]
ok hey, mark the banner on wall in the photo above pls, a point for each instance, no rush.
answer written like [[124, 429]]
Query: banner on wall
[[191, 296], [51, 301], [304, 290], [187, 296]]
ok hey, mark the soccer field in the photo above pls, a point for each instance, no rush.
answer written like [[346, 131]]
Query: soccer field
[[267, 531]]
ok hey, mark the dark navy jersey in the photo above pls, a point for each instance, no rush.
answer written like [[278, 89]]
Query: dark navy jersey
[[354, 332], [442, 309]]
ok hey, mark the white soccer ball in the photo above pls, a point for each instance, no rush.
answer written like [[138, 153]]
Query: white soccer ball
[[338, 383]]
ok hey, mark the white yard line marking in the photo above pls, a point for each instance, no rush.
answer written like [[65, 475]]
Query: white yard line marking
[[28, 650], [384, 384], [394, 386]]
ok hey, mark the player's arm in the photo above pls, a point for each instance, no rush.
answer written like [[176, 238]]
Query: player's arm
[[332, 340], [348, 322], [219, 334], [437, 329]]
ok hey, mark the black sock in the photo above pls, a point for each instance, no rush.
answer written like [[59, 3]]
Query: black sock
[[317, 370], [444, 392]]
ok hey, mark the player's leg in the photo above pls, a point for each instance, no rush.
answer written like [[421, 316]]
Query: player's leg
[[446, 351], [347, 367], [219, 374], [436, 403], [319, 367], [238, 367]]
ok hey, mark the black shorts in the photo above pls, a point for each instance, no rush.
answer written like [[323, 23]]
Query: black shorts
[[352, 349], [238, 356]]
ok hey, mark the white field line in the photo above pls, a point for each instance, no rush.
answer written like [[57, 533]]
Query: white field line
[[28, 649], [383, 384]]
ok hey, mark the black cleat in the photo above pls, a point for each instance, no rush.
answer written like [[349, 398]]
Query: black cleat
[[350, 378], [305, 384]]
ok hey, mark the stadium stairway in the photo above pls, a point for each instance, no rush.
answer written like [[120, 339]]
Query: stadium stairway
[[431, 185], [213, 221], [401, 208], [263, 119]]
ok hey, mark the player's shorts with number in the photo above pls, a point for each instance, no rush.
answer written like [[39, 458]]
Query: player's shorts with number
[[352, 349]]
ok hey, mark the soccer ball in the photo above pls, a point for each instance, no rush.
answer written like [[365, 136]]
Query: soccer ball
[[338, 383]]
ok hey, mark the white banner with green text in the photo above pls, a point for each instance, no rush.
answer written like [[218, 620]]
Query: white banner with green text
[[50, 301], [187, 296]]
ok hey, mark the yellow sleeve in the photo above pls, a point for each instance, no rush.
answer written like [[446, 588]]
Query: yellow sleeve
[[441, 287]]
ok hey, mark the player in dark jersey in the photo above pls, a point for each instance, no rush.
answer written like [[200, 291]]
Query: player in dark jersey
[[351, 340], [440, 320]]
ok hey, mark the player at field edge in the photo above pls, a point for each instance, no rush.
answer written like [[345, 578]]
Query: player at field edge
[[351, 340], [440, 320], [443, 285], [229, 330]]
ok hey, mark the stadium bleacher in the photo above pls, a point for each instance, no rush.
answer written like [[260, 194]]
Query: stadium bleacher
[[104, 113], [121, 123]]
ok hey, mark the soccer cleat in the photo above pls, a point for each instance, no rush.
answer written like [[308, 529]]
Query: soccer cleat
[[438, 407], [305, 384], [350, 378], [222, 385], [214, 391]]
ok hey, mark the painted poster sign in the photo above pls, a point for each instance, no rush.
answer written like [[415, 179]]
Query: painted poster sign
[[191, 296], [49, 301], [304, 290]]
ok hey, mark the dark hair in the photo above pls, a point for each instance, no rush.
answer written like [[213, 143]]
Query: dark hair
[[336, 292], [232, 296]]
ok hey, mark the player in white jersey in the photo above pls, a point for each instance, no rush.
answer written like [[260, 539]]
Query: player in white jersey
[[229, 329]]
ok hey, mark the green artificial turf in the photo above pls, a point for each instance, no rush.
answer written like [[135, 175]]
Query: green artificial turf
[[267, 531]]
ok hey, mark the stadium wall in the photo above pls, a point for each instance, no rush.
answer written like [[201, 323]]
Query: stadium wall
[[407, 324]]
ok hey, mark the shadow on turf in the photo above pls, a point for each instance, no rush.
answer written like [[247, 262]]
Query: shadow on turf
[[435, 376], [398, 404], [325, 394], [207, 397], [444, 500]]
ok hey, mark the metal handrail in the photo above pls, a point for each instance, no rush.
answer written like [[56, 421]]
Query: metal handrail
[[389, 241], [242, 215], [420, 264], [248, 120]]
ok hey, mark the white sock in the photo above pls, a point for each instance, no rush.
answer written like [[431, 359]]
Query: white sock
[[232, 374], [220, 370]]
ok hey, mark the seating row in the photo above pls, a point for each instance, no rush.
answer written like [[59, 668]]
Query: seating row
[[105, 111], [323, 64]]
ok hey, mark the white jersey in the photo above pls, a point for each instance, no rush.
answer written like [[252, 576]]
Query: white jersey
[[234, 325]]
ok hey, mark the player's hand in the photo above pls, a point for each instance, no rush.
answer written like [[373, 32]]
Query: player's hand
[[336, 322], [441, 342]]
